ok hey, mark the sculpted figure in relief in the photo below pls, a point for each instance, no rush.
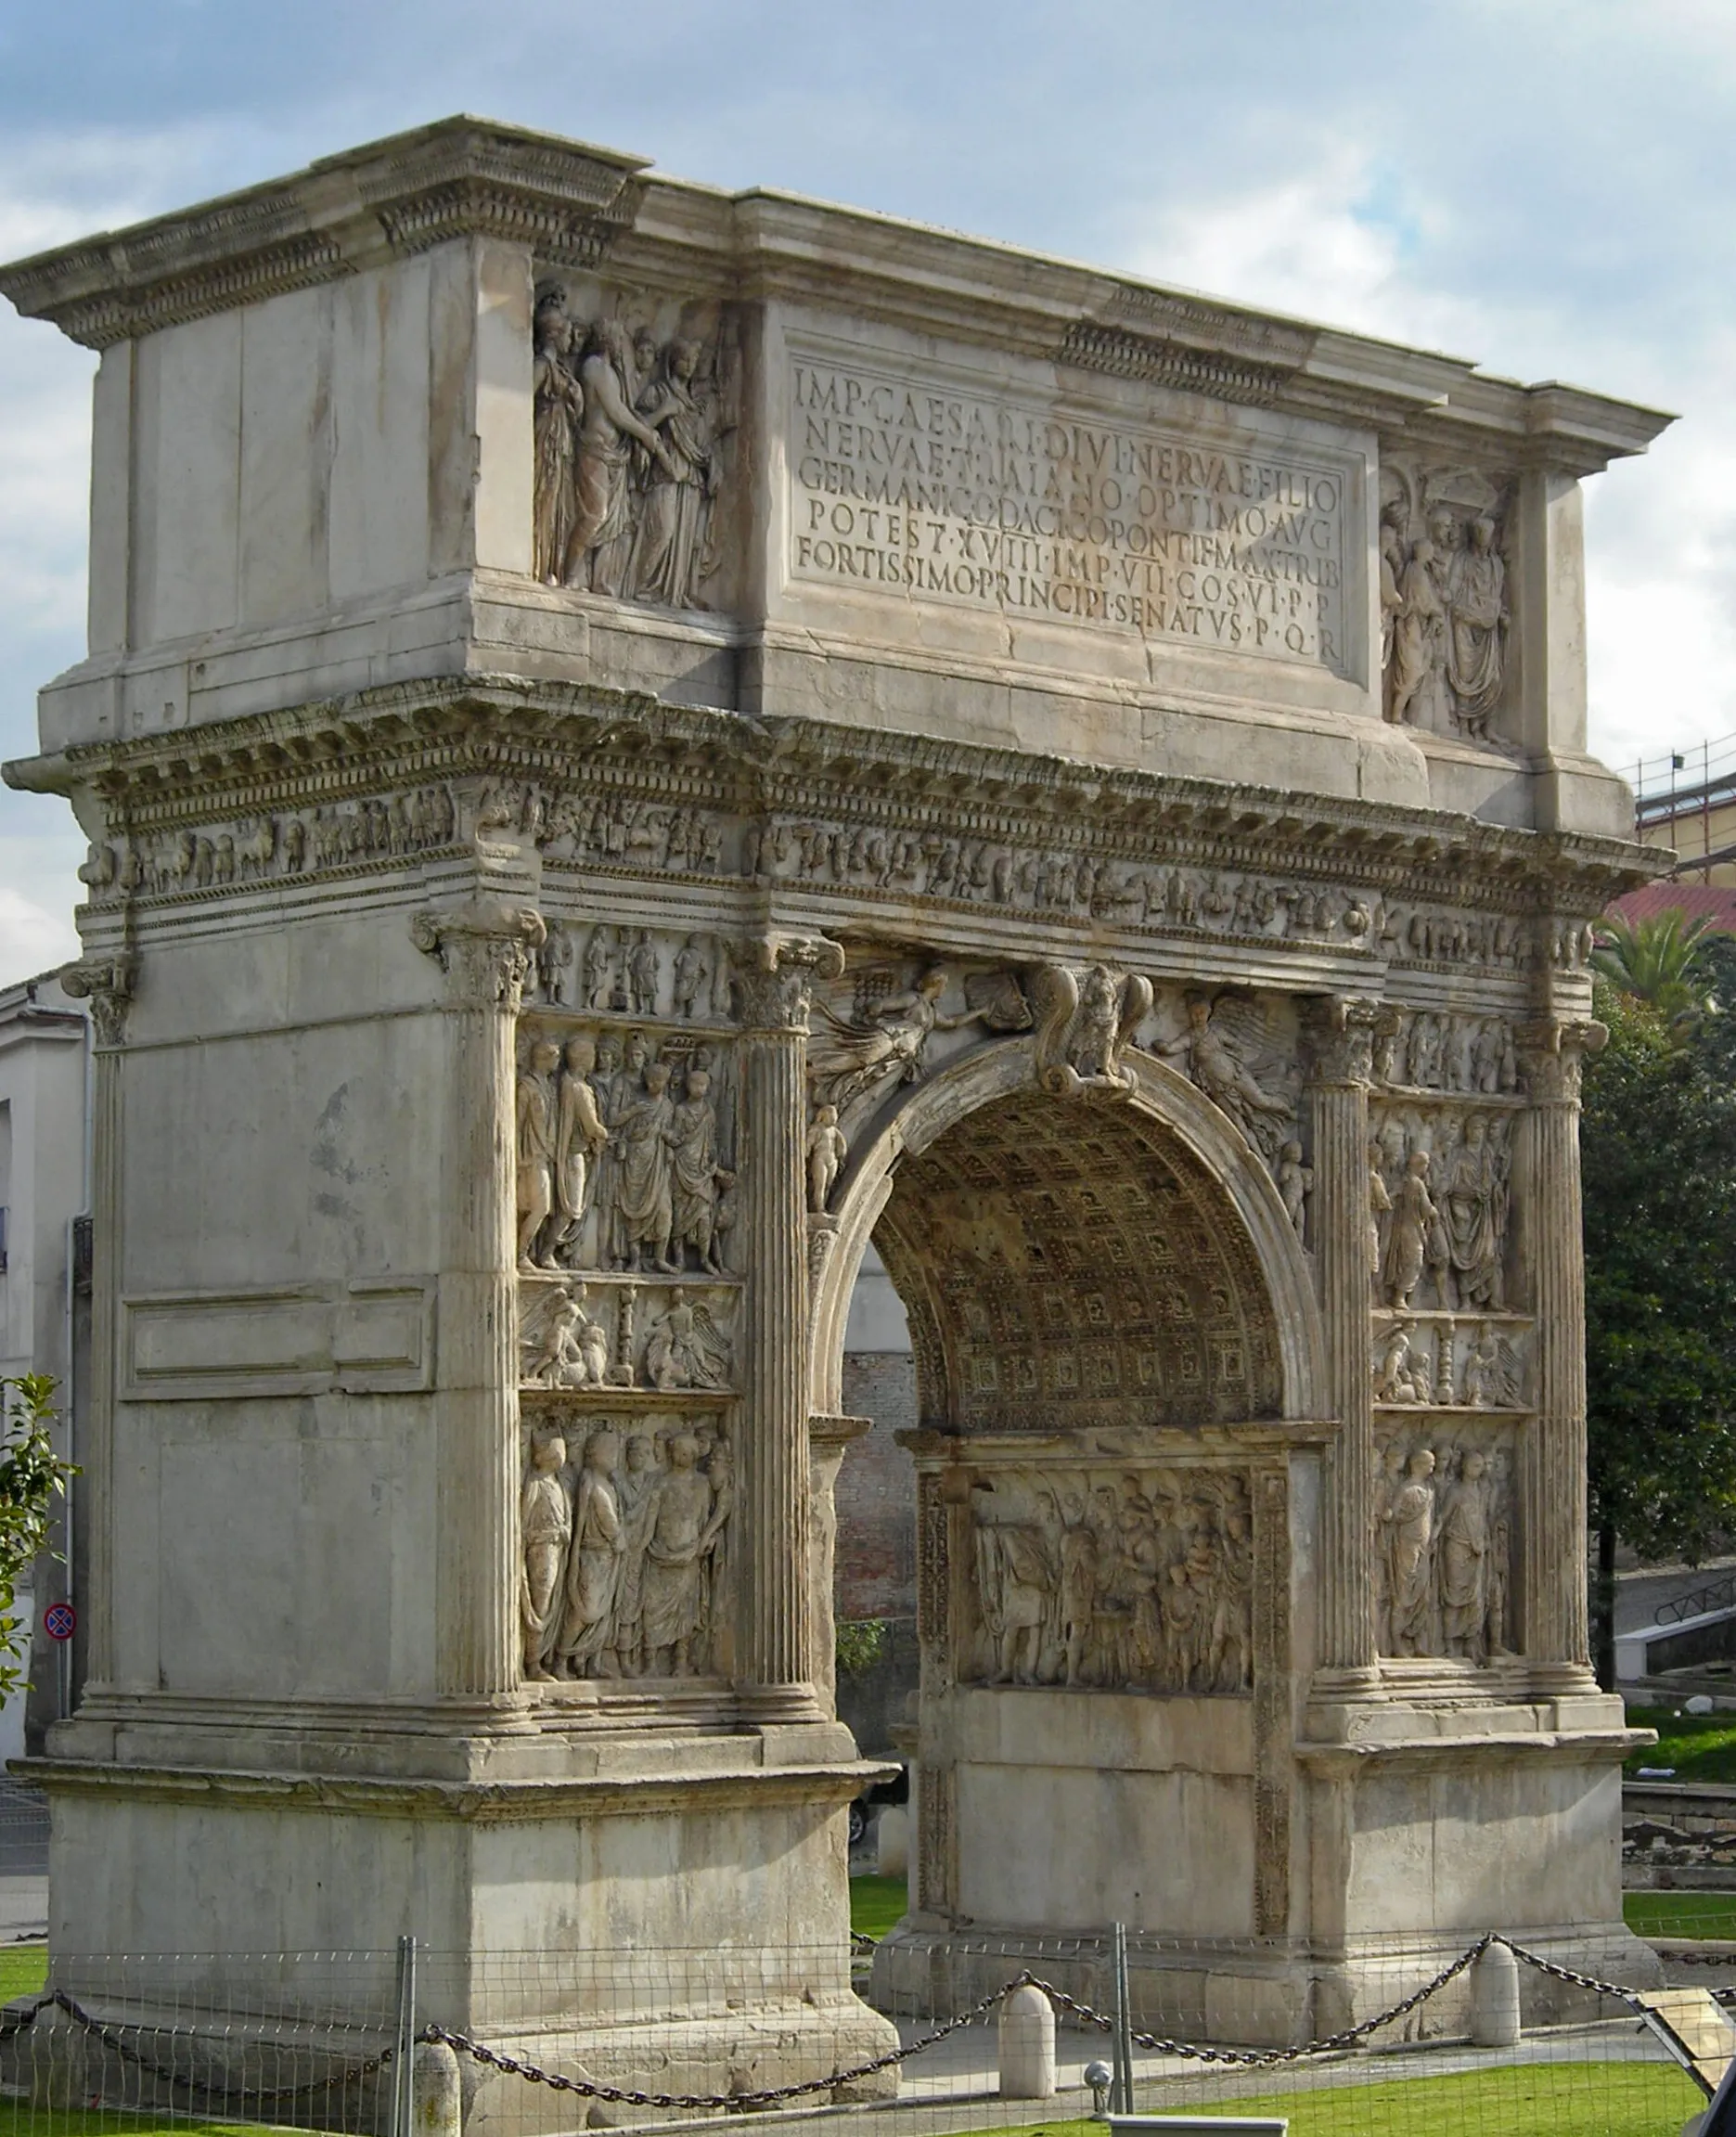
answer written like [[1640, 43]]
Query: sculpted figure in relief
[[593, 1565], [684, 1527], [546, 1529], [536, 1109], [643, 1133], [569, 1350], [1416, 1238], [695, 1173], [670, 549], [684, 1348], [624, 1570], [1212, 1060], [693, 972], [1443, 1543], [854, 1059], [1295, 1183], [1473, 1208], [601, 533], [557, 406], [827, 1151], [579, 1138], [1410, 1561]]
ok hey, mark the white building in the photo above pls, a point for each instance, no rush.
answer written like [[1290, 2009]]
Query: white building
[[44, 1183]]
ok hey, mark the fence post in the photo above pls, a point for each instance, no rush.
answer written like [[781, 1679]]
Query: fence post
[[1121, 2091], [403, 2047]]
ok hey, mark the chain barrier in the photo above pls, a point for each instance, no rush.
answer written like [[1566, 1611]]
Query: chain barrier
[[17, 2021], [741, 2101], [1239, 2058]]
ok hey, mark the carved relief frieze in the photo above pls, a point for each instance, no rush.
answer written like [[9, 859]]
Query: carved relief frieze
[[270, 844], [1440, 1189], [1430, 1050], [631, 430], [1125, 1578], [625, 1145], [882, 1024], [1444, 611], [626, 1333], [1444, 1529], [624, 1529], [1445, 1361]]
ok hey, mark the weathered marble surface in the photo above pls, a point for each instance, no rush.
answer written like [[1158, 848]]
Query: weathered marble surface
[[634, 740]]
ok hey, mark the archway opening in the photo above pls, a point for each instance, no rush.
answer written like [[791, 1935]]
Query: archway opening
[[1100, 1501]]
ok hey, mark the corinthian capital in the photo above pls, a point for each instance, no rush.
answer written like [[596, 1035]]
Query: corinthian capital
[[1553, 1052], [484, 948], [1340, 1032], [106, 985], [773, 979]]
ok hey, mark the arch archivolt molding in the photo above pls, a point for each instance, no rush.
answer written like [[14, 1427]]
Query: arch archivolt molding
[[1165, 1217]]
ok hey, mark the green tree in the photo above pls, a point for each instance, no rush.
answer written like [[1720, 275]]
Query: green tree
[[1660, 960], [1658, 1138]]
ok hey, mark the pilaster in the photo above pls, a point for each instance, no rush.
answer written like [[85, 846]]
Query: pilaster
[[1551, 1252], [1341, 1035], [772, 980], [107, 983], [484, 948]]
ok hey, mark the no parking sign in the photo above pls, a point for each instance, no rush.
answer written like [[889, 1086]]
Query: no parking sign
[[59, 1621]]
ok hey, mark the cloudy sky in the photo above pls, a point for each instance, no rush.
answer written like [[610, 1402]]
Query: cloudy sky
[[1546, 186]]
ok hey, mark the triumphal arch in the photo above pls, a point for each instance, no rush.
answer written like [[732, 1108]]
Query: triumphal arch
[[635, 739]]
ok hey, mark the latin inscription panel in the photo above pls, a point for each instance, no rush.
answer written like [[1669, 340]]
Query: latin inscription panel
[[920, 486]]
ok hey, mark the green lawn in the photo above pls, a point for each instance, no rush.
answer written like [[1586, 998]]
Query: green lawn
[[1700, 1746], [1534, 2100], [876, 1903], [23, 1970], [17, 2120], [1680, 1913]]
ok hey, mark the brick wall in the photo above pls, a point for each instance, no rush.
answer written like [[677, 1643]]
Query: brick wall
[[876, 1563]]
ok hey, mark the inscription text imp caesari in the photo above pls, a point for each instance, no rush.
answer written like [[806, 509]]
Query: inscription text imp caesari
[[901, 488]]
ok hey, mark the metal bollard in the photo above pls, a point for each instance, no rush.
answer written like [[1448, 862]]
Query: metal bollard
[[436, 2096], [1495, 1999], [1027, 2046]]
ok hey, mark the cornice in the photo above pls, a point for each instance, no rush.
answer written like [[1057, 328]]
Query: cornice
[[460, 177], [570, 202], [507, 728]]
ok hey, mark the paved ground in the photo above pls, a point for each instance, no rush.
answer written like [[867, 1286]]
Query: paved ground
[[23, 1863], [1639, 1594]]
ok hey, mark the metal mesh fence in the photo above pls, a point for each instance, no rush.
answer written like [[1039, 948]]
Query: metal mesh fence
[[1614, 2036]]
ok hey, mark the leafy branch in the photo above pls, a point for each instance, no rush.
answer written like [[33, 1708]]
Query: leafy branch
[[32, 1478]]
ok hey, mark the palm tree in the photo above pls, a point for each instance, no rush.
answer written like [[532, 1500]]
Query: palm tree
[[1658, 960]]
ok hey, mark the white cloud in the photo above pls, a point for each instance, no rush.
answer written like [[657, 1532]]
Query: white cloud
[[39, 887]]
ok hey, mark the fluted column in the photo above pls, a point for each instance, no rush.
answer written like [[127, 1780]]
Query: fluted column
[[772, 979], [106, 985], [484, 948], [1341, 1035], [1551, 1259]]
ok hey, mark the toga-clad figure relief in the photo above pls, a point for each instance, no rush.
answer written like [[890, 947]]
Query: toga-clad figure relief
[[1440, 1200], [628, 437], [624, 1154], [1138, 1581], [1445, 614], [625, 1572], [1443, 1548]]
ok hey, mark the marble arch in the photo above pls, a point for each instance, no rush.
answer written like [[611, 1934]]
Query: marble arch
[[764, 706]]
